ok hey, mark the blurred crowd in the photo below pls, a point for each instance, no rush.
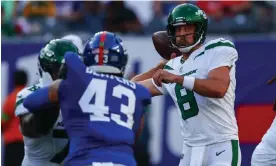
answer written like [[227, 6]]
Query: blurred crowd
[[27, 18]]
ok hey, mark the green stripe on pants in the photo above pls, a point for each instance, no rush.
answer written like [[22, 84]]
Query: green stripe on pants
[[235, 152]]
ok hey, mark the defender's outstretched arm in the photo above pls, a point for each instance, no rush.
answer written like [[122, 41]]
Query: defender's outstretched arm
[[42, 111], [43, 97]]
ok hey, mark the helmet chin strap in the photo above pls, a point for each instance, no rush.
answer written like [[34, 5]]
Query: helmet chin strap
[[46, 79], [187, 49]]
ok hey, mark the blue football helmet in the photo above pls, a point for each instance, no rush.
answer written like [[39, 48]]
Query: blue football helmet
[[104, 53]]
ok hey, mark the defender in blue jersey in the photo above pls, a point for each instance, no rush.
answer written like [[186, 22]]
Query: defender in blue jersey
[[101, 110]]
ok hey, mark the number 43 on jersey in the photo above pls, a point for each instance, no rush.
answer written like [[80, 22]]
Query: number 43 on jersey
[[99, 111]]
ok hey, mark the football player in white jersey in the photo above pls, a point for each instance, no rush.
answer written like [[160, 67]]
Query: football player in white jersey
[[265, 152], [45, 140], [202, 84]]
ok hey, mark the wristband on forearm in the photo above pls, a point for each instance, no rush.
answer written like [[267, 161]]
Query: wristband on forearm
[[188, 83]]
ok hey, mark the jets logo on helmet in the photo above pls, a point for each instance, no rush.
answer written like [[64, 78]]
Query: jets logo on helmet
[[201, 12], [51, 58], [49, 53]]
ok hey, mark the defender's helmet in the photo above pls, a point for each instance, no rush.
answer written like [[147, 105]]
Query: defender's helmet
[[51, 56], [105, 53], [187, 14]]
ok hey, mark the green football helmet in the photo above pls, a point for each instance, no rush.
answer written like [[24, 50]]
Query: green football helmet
[[51, 57], [187, 14]]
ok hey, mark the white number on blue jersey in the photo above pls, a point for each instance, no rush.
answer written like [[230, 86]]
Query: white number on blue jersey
[[99, 111]]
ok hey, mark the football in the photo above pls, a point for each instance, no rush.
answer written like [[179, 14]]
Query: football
[[162, 45]]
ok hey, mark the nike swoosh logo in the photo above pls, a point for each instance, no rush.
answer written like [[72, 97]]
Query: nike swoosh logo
[[218, 153]]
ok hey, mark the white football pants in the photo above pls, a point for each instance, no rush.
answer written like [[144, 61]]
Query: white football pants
[[220, 154]]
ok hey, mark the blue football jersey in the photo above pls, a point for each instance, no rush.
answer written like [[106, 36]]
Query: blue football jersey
[[101, 114]]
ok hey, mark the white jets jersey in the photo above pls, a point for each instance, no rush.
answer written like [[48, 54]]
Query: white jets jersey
[[270, 136], [205, 120], [48, 150]]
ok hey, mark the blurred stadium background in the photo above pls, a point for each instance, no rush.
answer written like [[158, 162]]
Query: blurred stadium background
[[27, 25]]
